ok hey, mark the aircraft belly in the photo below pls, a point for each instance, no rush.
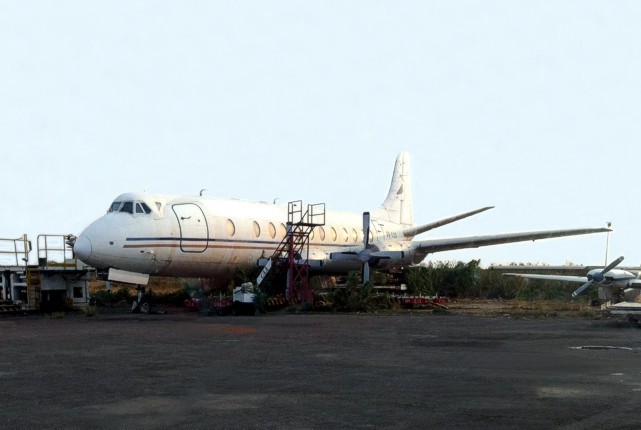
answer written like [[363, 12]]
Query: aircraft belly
[[210, 263], [192, 265]]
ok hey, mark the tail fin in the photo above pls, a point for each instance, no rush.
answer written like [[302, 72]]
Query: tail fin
[[397, 207]]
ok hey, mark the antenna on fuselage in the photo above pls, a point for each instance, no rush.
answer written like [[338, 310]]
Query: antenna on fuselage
[[607, 241], [202, 191]]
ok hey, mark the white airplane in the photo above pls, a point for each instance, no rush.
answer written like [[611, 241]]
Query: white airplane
[[202, 237], [618, 289]]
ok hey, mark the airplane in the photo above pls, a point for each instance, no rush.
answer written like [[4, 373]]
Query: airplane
[[618, 289], [205, 237]]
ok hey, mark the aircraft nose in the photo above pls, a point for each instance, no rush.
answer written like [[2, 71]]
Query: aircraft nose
[[82, 248]]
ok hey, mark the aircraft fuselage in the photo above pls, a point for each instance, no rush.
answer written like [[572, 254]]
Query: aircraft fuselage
[[203, 237]]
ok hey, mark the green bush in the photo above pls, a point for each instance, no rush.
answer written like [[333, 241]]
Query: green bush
[[260, 300], [449, 278], [122, 294], [103, 297], [174, 298], [468, 280], [358, 298]]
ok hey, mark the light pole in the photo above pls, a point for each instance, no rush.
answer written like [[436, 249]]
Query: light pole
[[607, 242]]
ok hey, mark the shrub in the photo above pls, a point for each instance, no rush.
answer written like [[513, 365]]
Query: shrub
[[444, 278], [358, 298], [122, 293]]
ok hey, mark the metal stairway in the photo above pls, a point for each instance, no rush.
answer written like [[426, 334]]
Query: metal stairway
[[293, 251]]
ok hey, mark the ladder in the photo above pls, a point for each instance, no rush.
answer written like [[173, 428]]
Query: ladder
[[293, 251]]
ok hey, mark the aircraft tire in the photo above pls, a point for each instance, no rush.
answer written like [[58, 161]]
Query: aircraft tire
[[145, 307], [135, 306]]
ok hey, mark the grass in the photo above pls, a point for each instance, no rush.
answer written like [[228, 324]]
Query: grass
[[157, 285]]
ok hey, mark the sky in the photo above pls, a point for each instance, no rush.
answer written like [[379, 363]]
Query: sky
[[529, 106]]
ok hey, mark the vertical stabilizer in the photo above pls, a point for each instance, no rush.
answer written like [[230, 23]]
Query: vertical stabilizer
[[397, 207]]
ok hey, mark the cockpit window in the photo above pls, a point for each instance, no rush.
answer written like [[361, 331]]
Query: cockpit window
[[127, 207], [142, 208], [130, 207]]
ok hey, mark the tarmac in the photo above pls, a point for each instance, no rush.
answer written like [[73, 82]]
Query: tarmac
[[313, 371]]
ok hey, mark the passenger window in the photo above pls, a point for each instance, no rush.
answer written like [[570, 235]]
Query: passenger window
[[127, 207], [354, 236], [321, 233], [272, 230], [256, 229], [231, 228], [332, 233], [283, 230]]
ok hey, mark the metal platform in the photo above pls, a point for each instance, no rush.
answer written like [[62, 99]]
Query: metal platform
[[57, 282]]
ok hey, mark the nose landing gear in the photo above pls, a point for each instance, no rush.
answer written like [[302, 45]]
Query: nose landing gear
[[141, 304]]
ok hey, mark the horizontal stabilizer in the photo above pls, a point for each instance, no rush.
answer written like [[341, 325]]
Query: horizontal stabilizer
[[411, 232]]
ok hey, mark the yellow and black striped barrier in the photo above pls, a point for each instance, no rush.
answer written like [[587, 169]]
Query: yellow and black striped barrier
[[10, 308], [276, 301]]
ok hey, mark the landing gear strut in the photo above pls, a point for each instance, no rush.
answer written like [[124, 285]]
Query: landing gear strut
[[141, 303]]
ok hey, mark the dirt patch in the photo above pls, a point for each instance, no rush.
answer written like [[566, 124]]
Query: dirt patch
[[157, 285], [520, 308]]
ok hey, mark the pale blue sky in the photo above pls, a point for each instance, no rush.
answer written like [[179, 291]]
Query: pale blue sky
[[531, 106]]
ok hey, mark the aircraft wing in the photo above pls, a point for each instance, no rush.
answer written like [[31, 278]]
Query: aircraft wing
[[549, 277], [439, 245]]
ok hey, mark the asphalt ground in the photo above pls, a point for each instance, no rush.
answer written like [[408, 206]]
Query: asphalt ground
[[298, 371]]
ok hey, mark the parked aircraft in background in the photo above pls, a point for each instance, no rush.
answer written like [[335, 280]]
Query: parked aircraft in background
[[198, 236], [618, 289]]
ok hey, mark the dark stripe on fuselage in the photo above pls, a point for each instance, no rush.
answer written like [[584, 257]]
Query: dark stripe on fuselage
[[228, 243]]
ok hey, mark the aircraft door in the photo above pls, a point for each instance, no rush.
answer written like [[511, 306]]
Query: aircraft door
[[194, 231]]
